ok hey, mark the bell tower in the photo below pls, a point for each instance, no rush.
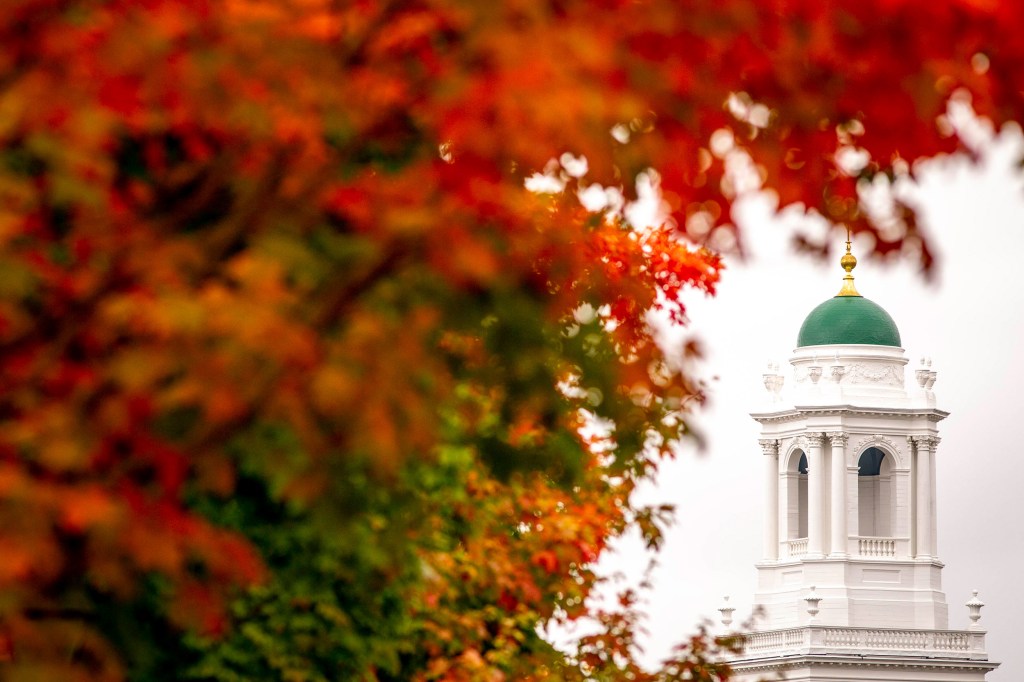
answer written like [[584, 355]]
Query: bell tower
[[849, 586]]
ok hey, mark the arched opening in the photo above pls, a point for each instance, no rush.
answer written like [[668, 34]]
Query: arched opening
[[802, 496], [874, 493], [796, 484]]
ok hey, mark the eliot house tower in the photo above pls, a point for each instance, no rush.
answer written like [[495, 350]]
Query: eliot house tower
[[850, 583]]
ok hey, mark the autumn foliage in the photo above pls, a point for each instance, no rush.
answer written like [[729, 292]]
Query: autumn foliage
[[294, 364]]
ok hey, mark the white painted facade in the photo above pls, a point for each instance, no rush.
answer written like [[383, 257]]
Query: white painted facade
[[850, 585]]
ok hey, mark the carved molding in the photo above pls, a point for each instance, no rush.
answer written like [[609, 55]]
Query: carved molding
[[787, 447], [769, 446], [804, 373], [862, 373], [795, 443], [814, 440], [838, 439], [874, 440], [925, 442], [853, 373]]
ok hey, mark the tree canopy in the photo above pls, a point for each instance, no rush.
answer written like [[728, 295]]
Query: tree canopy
[[297, 357]]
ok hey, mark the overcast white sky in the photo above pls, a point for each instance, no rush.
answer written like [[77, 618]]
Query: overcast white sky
[[970, 322]]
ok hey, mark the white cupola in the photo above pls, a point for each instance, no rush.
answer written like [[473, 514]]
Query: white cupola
[[850, 566]]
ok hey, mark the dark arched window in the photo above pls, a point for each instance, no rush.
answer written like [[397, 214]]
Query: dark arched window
[[797, 494], [874, 493], [870, 463]]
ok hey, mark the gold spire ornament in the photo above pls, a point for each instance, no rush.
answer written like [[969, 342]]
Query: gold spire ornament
[[849, 262]]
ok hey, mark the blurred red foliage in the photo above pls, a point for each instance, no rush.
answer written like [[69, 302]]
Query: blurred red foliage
[[220, 214]]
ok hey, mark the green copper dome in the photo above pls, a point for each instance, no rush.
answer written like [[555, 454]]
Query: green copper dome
[[848, 319]]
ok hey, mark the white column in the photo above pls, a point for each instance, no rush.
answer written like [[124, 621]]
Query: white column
[[815, 496], [853, 499], [933, 507], [782, 512], [839, 534], [770, 450], [923, 478]]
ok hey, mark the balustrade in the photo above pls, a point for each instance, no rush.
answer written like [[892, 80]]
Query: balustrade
[[796, 547], [867, 641], [953, 641], [876, 547]]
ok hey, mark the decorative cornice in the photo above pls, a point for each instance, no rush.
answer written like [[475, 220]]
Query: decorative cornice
[[776, 417], [803, 411], [793, 662]]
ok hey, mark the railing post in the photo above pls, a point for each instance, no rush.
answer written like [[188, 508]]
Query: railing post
[[976, 643], [814, 639]]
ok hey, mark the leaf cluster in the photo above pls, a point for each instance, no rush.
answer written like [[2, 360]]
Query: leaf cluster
[[300, 381]]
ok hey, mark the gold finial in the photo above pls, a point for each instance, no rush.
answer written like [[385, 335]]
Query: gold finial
[[849, 262]]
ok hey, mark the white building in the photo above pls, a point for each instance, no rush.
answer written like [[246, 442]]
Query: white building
[[850, 587]]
